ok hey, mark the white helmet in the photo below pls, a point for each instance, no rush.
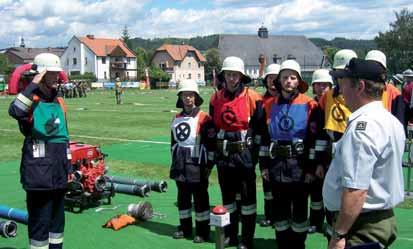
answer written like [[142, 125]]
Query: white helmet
[[322, 75], [188, 86], [233, 63], [47, 61], [343, 57], [236, 64], [377, 55], [294, 66], [272, 69], [408, 73]]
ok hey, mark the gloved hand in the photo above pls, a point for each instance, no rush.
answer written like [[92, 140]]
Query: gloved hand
[[119, 221]]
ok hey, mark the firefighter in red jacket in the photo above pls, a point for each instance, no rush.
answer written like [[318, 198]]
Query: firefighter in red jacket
[[45, 163], [392, 98], [192, 138], [293, 121], [271, 74], [238, 117]]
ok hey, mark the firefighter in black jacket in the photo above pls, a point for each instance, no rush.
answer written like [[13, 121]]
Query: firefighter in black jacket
[[238, 115], [292, 120], [271, 74], [45, 163], [192, 139]]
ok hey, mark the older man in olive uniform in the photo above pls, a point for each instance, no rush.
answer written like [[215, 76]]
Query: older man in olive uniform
[[365, 179]]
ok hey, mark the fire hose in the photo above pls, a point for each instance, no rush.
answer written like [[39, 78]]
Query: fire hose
[[158, 186], [8, 229]]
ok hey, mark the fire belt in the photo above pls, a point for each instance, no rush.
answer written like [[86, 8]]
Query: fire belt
[[231, 147], [286, 149]]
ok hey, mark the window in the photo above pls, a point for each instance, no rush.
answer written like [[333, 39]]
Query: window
[[189, 64], [189, 76], [199, 76], [128, 60], [85, 60], [104, 61], [127, 75], [74, 61], [199, 65], [105, 76], [74, 49]]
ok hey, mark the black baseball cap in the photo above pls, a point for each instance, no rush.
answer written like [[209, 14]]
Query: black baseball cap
[[362, 69]]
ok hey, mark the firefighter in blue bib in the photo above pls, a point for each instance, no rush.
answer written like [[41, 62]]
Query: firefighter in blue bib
[[45, 163], [238, 118], [192, 139], [292, 120]]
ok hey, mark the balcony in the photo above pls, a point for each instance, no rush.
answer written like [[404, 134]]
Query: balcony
[[118, 65]]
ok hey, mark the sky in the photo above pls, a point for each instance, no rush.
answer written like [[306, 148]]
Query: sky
[[50, 23]]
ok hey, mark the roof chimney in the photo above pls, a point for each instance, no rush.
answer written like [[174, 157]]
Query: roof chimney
[[90, 36], [22, 45], [263, 32]]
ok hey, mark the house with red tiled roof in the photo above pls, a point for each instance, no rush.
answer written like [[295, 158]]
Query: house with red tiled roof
[[106, 58], [180, 62]]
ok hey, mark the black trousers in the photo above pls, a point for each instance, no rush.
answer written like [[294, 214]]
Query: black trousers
[[316, 206], [290, 214], [199, 192], [268, 200], [46, 218], [233, 181]]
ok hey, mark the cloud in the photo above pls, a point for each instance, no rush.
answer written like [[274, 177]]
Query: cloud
[[52, 23]]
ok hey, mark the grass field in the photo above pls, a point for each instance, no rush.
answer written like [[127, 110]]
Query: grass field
[[127, 132]]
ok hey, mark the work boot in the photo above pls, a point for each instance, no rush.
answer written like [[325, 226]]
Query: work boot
[[266, 223], [180, 235], [198, 239], [229, 242]]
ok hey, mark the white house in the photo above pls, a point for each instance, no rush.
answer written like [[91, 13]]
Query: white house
[[106, 58]]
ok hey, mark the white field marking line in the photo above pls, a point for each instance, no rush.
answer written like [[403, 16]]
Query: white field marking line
[[402, 238], [108, 138]]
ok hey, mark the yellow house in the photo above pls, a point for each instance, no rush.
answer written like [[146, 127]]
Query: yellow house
[[180, 62]]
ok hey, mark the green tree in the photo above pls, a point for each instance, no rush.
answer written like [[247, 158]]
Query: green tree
[[157, 74], [397, 43], [5, 66], [141, 62], [213, 62], [126, 37]]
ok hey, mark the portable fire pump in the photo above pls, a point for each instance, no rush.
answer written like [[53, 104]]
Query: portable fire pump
[[87, 185]]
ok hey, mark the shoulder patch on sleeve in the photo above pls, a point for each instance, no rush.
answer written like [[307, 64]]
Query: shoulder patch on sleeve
[[361, 126]]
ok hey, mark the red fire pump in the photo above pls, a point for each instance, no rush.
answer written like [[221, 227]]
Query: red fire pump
[[88, 184]]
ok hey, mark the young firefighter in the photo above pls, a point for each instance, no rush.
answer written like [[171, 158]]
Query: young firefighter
[[291, 130], [45, 163], [192, 133], [322, 82], [238, 117], [391, 97], [271, 74], [336, 114]]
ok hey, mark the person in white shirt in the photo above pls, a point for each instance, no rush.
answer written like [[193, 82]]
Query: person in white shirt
[[365, 179]]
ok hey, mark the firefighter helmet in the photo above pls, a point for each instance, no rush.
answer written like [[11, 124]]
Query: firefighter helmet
[[272, 69], [294, 66], [188, 86], [48, 62], [378, 56], [342, 58], [236, 64], [322, 75]]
